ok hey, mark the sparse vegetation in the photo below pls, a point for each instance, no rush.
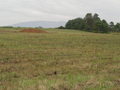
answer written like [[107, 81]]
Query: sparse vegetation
[[60, 60]]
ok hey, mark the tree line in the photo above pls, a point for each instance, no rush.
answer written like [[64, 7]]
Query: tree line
[[92, 23]]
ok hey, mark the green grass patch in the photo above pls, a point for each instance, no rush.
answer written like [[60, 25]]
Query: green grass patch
[[59, 60]]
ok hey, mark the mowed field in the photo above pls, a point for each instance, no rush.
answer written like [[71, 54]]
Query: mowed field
[[59, 60]]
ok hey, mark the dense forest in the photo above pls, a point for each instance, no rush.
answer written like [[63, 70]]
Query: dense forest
[[92, 23]]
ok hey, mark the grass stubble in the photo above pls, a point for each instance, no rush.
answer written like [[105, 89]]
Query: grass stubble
[[59, 60]]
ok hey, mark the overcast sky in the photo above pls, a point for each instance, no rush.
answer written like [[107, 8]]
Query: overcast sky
[[15, 11]]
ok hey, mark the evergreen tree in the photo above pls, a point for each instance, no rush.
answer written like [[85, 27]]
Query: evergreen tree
[[117, 27], [61, 27], [96, 20], [96, 17], [77, 23], [112, 27], [89, 21], [92, 24], [102, 26]]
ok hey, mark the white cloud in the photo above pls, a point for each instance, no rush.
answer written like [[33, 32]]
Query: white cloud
[[14, 11]]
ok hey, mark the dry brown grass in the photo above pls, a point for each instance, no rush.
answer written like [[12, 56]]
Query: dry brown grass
[[62, 60]]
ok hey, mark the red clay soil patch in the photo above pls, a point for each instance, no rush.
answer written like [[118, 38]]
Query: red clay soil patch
[[31, 30]]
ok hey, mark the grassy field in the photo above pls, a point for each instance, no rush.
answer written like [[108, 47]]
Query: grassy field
[[59, 60]]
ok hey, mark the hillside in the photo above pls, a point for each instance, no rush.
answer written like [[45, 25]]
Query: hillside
[[44, 24], [59, 60]]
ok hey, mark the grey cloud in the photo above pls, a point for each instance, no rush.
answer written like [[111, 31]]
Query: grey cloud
[[14, 11]]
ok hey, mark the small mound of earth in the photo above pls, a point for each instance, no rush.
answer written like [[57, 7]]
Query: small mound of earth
[[31, 30]]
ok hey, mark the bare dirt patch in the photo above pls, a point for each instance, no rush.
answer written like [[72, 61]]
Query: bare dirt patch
[[31, 30]]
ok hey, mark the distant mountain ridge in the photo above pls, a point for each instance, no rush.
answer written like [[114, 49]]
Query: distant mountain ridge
[[44, 24]]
